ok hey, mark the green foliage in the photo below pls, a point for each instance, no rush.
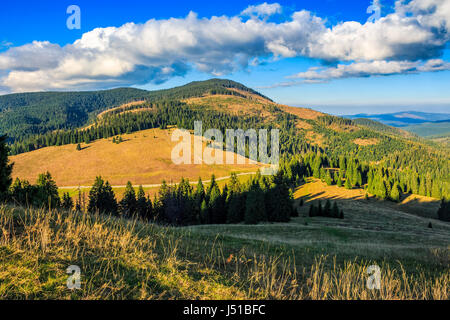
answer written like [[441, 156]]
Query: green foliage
[[329, 210], [444, 210], [67, 202], [102, 198], [5, 169], [254, 206], [128, 204]]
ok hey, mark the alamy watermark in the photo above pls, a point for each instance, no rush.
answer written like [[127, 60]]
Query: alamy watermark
[[74, 280], [236, 141], [374, 8], [74, 20], [374, 280]]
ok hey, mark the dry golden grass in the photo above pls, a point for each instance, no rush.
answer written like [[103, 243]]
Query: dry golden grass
[[315, 138], [366, 142], [126, 105], [316, 190], [143, 158], [125, 259], [302, 113], [234, 105]]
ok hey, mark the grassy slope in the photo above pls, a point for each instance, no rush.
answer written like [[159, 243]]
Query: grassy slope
[[120, 259], [143, 158]]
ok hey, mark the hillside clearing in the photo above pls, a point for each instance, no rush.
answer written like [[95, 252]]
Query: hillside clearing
[[143, 158]]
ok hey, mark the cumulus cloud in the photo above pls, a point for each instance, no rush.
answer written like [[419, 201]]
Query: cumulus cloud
[[373, 68], [262, 10], [158, 50]]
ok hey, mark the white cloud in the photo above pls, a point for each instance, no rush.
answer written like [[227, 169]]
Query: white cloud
[[262, 10], [157, 50], [366, 69]]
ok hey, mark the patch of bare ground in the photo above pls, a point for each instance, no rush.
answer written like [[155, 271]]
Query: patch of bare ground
[[366, 142]]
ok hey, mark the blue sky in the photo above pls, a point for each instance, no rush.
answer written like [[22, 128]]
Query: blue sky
[[331, 64]]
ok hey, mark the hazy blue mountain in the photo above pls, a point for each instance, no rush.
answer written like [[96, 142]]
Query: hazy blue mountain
[[427, 129], [403, 119]]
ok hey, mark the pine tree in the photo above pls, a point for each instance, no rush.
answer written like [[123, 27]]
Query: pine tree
[[5, 169], [143, 205], [327, 209], [255, 211], [216, 209], [78, 147], [319, 209], [348, 184], [128, 203], [328, 179], [444, 210], [67, 202], [335, 210], [102, 198], [312, 210], [204, 211], [235, 213], [47, 192], [436, 190], [395, 193]]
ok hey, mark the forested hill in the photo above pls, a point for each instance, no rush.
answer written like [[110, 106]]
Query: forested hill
[[35, 121], [26, 114]]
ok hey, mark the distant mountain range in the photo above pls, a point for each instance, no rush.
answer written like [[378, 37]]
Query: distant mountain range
[[403, 119]]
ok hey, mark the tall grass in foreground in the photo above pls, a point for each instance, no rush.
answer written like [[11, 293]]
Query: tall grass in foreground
[[124, 259]]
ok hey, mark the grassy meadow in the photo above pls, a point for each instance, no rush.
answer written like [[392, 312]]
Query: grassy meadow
[[143, 158], [307, 258]]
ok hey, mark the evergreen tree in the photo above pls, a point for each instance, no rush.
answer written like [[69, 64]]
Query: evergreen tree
[[328, 179], [102, 198], [78, 147], [67, 202], [255, 211], [199, 196], [348, 184], [204, 212], [47, 192], [5, 169], [216, 208], [335, 210], [327, 209], [444, 210], [128, 203], [236, 206], [312, 210], [319, 209], [436, 191], [143, 205], [395, 193]]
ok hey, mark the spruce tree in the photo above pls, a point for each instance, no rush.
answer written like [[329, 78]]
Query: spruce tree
[[255, 211], [46, 192], [348, 184], [102, 198], [327, 209], [5, 169], [328, 179], [444, 210], [335, 210], [143, 205], [395, 193], [67, 202], [235, 213], [204, 211], [128, 203]]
